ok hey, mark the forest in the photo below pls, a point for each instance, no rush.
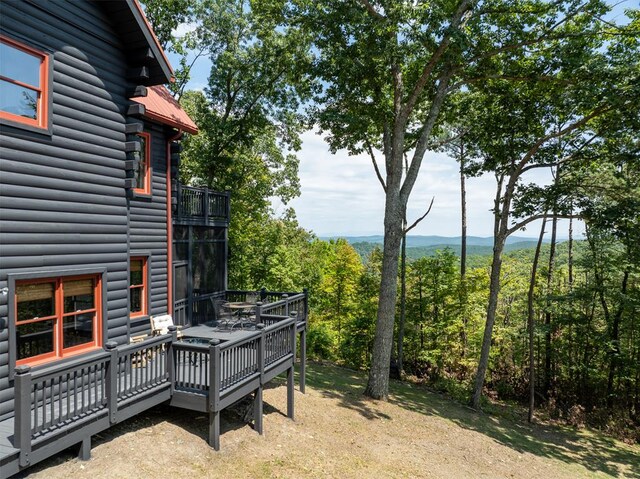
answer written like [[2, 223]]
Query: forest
[[505, 87]]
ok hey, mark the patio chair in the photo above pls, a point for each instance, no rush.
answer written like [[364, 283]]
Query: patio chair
[[140, 358], [224, 316], [160, 325], [252, 297]]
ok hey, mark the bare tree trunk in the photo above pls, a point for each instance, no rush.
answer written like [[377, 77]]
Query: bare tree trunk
[[571, 252], [403, 300], [463, 207], [378, 383], [547, 315], [494, 291], [615, 340], [530, 324], [502, 205], [463, 254]]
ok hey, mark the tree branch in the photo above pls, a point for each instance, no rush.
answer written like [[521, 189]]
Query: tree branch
[[561, 161], [415, 223], [567, 129], [463, 8], [421, 146], [372, 11], [375, 165], [530, 219]]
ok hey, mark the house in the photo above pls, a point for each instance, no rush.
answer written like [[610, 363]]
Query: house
[[97, 236]]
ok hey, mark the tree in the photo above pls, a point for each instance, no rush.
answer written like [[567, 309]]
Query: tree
[[387, 69], [518, 130], [531, 323], [339, 287]]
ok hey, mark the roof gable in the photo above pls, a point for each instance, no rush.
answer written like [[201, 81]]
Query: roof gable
[[141, 45]]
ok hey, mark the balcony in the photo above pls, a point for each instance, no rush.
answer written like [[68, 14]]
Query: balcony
[[201, 207]]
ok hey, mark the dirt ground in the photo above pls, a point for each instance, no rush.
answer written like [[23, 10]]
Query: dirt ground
[[339, 434]]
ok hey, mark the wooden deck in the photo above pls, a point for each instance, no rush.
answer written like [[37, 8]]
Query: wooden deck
[[64, 405]]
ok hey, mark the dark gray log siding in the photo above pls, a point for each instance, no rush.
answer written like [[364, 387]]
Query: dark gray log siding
[[63, 205], [148, 229]]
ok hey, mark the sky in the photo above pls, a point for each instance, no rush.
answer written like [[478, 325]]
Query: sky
[[341, 196]]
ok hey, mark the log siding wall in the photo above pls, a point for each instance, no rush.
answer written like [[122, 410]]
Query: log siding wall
[[63, 203], [148, 230]]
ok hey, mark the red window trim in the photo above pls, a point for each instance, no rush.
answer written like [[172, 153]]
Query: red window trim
[[60, 351], [143, 296], [42, 106], [145, 158]]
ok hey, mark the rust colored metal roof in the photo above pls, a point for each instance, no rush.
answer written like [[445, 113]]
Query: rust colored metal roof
[[160, 106]]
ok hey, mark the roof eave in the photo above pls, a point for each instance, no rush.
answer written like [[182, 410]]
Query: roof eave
[[154, 44]]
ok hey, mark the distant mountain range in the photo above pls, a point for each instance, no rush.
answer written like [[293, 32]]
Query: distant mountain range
[[419, 246], [416, 240]]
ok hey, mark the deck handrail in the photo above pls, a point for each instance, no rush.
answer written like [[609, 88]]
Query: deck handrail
[[202, 205], [48, 372], [60, 395]]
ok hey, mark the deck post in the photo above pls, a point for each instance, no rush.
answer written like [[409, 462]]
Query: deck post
[[214, 394], [111, 382], [22, 420], [257, 401], [258, 311], [305, 312], [214, 430], [303, 359], [257, 411], [205, 208], [171, 358], [290, 371], [84, 453], [285, 297]]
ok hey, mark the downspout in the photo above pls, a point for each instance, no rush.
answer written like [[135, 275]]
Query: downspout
[[170, 140]]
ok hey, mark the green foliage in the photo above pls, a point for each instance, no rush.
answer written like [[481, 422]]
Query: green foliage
[[320, 339]]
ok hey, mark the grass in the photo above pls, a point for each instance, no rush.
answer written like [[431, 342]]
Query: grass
[[338, 433], [598, 454]]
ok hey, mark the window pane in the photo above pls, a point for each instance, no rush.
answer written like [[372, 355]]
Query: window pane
[[135, 276], [141, 171], [180, 282], [78, 295], [18, 100], [35, 300], [181, 251], [207, 267], [180, 233], [77, 329], [19, 65], [135, 298], [34, 339]]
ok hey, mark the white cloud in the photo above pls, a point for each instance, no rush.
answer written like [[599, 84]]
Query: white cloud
[[342, 196]]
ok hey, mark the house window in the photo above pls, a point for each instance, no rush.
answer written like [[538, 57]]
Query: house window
[[143, 172], [56, 317], [23, 84], [138, 286]]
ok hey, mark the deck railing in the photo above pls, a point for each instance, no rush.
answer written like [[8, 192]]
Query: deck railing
[[59, 398], [201, 206], [275, 303], [142, 366], [231, 364]]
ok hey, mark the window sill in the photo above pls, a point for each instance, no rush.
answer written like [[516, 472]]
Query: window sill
[[15, 128], [140, 195]]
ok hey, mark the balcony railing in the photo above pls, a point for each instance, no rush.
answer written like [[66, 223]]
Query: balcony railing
[[201, 206]]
